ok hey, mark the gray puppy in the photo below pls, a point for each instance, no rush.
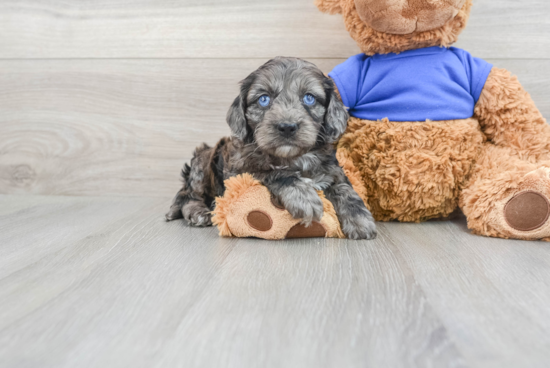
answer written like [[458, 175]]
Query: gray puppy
[[284, 124]]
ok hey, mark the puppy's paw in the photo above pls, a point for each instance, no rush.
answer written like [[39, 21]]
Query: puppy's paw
[[197, 214], [200, 219], [359, 227], [174, 213], [303, 203]]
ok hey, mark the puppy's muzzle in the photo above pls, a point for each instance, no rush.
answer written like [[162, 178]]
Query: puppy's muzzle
[[287, 130]]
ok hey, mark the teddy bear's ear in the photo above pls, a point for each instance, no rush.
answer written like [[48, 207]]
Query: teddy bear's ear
[[329, 6]]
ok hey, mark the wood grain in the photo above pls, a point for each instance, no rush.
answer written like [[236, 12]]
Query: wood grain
[[129, 124], [109, 98], [478, 285], [508, 29], [107, 283], [125, 127], [168, 29], [235, 29]]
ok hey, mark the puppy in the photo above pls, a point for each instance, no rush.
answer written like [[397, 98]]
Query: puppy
[[284, 124]]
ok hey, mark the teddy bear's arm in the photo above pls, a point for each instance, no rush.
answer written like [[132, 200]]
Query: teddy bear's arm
[[509, 118]]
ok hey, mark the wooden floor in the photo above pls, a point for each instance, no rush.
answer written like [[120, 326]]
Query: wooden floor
[[102, 101], [106, 282]]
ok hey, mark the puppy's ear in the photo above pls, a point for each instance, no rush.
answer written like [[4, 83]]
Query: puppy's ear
[[236, 119], [329, 6], [236, 116], [336, 116]]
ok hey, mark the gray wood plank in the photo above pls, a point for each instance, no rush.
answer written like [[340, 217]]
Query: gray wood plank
[[104, 127], [168, 29], [492, 294], [125, 127], [235, 29], [131, 290], [508, 29]]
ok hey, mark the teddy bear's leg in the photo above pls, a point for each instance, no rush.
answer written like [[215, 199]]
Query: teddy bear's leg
[[507, 197]]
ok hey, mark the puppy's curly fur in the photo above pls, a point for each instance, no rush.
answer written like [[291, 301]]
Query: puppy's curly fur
[[287, 144]]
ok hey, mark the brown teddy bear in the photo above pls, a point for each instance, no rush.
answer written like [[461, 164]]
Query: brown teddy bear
[[434, 128], [247, 210]]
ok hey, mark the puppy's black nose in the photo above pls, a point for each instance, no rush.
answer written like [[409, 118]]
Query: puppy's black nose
[[287, 130]]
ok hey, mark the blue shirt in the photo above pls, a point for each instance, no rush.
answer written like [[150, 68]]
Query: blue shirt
[[433, 83]]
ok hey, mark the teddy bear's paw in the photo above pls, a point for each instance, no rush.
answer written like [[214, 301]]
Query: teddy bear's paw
[[526, 212], [261, 221], [249, 209], [359, 228]]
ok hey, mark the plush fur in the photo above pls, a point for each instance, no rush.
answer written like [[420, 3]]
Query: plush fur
[[509, 117], [518, 144], [245, 195], [371, 41], [421, 170], [406, 17], [410, 171]]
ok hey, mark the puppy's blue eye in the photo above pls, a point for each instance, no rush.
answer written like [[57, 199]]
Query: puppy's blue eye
[[309, 99], [264, 100]]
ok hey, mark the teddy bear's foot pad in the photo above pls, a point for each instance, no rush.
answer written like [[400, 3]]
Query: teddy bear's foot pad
[[261, 221], [523, 212], [527, 211], [315, 230]]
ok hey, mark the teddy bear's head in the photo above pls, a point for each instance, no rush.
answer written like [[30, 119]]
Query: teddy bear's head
[[384, 26]]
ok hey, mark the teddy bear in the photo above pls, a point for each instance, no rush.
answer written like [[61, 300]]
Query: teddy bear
[[247, 210], [433, 128]]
